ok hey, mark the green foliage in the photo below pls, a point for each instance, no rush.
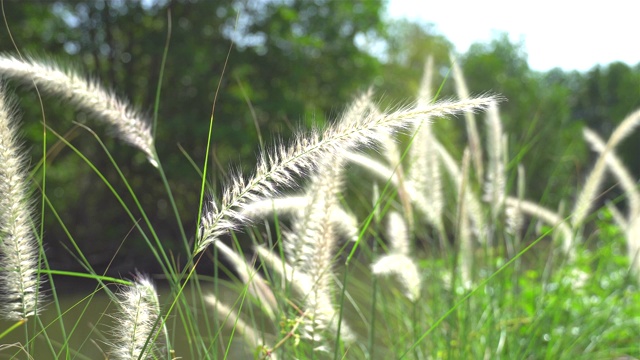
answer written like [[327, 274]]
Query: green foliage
[[535, 114], [407, 46], [291, 63], [295, 62], [604, 97], [597, 287]]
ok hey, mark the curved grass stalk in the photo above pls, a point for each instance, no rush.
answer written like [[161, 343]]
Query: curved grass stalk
[[549, 217], [300, 282], [475, 148], [256, 285], [474, 206], [231, 318], [631, 224], [158, 251], [398, 262], [463, 230], [345, 223], [590, 189], [128, 124], [495, 183], [619, 170], [278, 168], [425, 95], [311, 249]]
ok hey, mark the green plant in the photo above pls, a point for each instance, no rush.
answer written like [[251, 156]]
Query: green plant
[[317, 285]]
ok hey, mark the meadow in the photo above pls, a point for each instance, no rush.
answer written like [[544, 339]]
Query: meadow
[[364, 238]]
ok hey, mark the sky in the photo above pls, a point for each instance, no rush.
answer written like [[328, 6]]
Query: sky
[[571, 35]]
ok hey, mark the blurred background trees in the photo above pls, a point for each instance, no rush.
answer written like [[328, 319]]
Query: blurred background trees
[[290, 64]]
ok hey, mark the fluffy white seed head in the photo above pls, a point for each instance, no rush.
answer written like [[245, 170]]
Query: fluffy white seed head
[[473, 135], [300, 283], [425, 95], [345, 223], [398, 263], [397, 233], [278, 168], [549, 217], [473, 204], [514, 219], [424, 172], [19, 280], [126, 122], [405, 271], [495, 183], [465, 253], [138, 322]]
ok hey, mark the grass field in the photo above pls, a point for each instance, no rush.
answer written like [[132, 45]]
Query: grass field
[[365, 239]]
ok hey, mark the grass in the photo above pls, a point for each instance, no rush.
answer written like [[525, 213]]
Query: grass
[[418, 255]]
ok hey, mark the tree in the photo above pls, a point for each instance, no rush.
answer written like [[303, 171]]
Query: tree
[[286, 60], [408, 44], [607, 95]]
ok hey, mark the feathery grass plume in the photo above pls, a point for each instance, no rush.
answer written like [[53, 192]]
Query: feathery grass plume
[[465, 252], [256, 285], [311, 247], [618, 169], [128, 124], [385, 173], [472, 128], [391, 151], [398, 234], [495, 183], [513, 214], [589, 192], [549, 217], [418, 198], [359, 107], [424, 173], [19, 263], [631, 224], [231, 319], [425, 95], [379, 169], [300, 282], [345, 223], [398, 262], [363, 107], [405, 271], [138, 322], [278, 168], [474, 206]]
